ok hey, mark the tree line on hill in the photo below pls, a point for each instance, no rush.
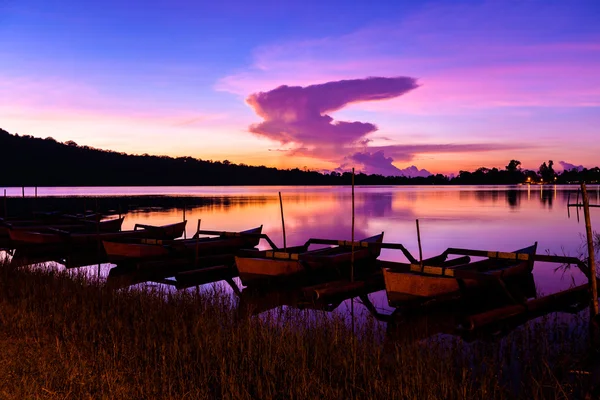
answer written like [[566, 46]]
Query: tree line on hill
[[29, 161]]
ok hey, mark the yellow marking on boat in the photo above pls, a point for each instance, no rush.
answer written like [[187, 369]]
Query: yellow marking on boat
[[152, 241], [349, 243], [508, 255], [432, 270], [281, 255]]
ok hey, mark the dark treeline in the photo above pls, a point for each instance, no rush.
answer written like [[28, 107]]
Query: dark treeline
[[29, 161], [514, 174]]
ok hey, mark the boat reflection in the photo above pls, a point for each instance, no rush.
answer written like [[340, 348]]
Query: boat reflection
[[68, 258], [324, 296]]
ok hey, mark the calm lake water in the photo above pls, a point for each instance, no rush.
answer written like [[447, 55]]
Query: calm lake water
[[502, 218]]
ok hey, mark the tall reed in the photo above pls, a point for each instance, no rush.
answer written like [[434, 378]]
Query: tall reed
[[66, 336]]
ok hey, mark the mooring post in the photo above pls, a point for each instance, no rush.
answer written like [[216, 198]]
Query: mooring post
[[36, 192], [419, 242], [352, 254], [282, 222], [591, 260], [5, 206], [23, 191], [352, 280], [197, 235], [184, 230], [98, 242]]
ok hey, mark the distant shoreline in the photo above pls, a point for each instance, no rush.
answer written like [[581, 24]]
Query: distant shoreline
[[53, 164]]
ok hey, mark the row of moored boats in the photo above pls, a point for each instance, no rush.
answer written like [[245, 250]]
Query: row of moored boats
[[213, 255]]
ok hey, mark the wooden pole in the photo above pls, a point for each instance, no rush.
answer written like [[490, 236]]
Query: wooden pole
[[197, 241], [419, 241], [184, 231], [36, 192], [23, 191], [352, 280], [282, 222], [98, 243], [591, 260], [5, 206], [352, 254]]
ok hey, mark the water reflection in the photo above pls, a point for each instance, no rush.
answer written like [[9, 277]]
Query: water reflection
[[488, 218]]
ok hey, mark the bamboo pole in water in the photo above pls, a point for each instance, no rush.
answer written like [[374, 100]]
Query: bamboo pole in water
[[352, 280], [197, 240], [98, 242], [419, 241], [282, 222], [184, 230], [352, 254], [591, 260]]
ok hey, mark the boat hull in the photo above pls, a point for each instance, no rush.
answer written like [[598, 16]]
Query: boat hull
[[24, 238], [405, 287], [277, 266], [187, 248]]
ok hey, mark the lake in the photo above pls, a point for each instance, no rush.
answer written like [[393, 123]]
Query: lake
[[502, 218]]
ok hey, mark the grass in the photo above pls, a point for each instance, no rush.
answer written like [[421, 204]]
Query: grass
[[65, 336]]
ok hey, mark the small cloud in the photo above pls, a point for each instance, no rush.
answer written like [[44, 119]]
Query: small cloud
[[378, 163], [568, 166]]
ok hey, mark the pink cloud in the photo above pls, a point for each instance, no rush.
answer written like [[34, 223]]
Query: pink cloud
[[408, 152], [297, 114], [568, 166], [378, 163]]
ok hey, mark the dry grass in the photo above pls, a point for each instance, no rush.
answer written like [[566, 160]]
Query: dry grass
[[68, 337]]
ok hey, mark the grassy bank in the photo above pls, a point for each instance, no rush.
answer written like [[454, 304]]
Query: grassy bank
[[67, 337]]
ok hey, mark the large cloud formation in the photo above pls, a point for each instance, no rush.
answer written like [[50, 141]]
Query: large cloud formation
[[298, 114]]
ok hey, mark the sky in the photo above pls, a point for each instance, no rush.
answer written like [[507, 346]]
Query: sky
[[399, 87]]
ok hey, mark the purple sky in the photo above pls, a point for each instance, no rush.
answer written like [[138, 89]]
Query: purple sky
[[442, 86]]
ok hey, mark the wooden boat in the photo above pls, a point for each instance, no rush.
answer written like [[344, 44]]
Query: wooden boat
[[409, 283], [262, 267], [88, 223], [228, 242], [59, 237]]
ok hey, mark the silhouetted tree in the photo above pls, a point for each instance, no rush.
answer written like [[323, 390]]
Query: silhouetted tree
[[513, 166], [547, 171]]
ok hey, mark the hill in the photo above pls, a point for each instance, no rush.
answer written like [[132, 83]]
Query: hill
[[29, 161]]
